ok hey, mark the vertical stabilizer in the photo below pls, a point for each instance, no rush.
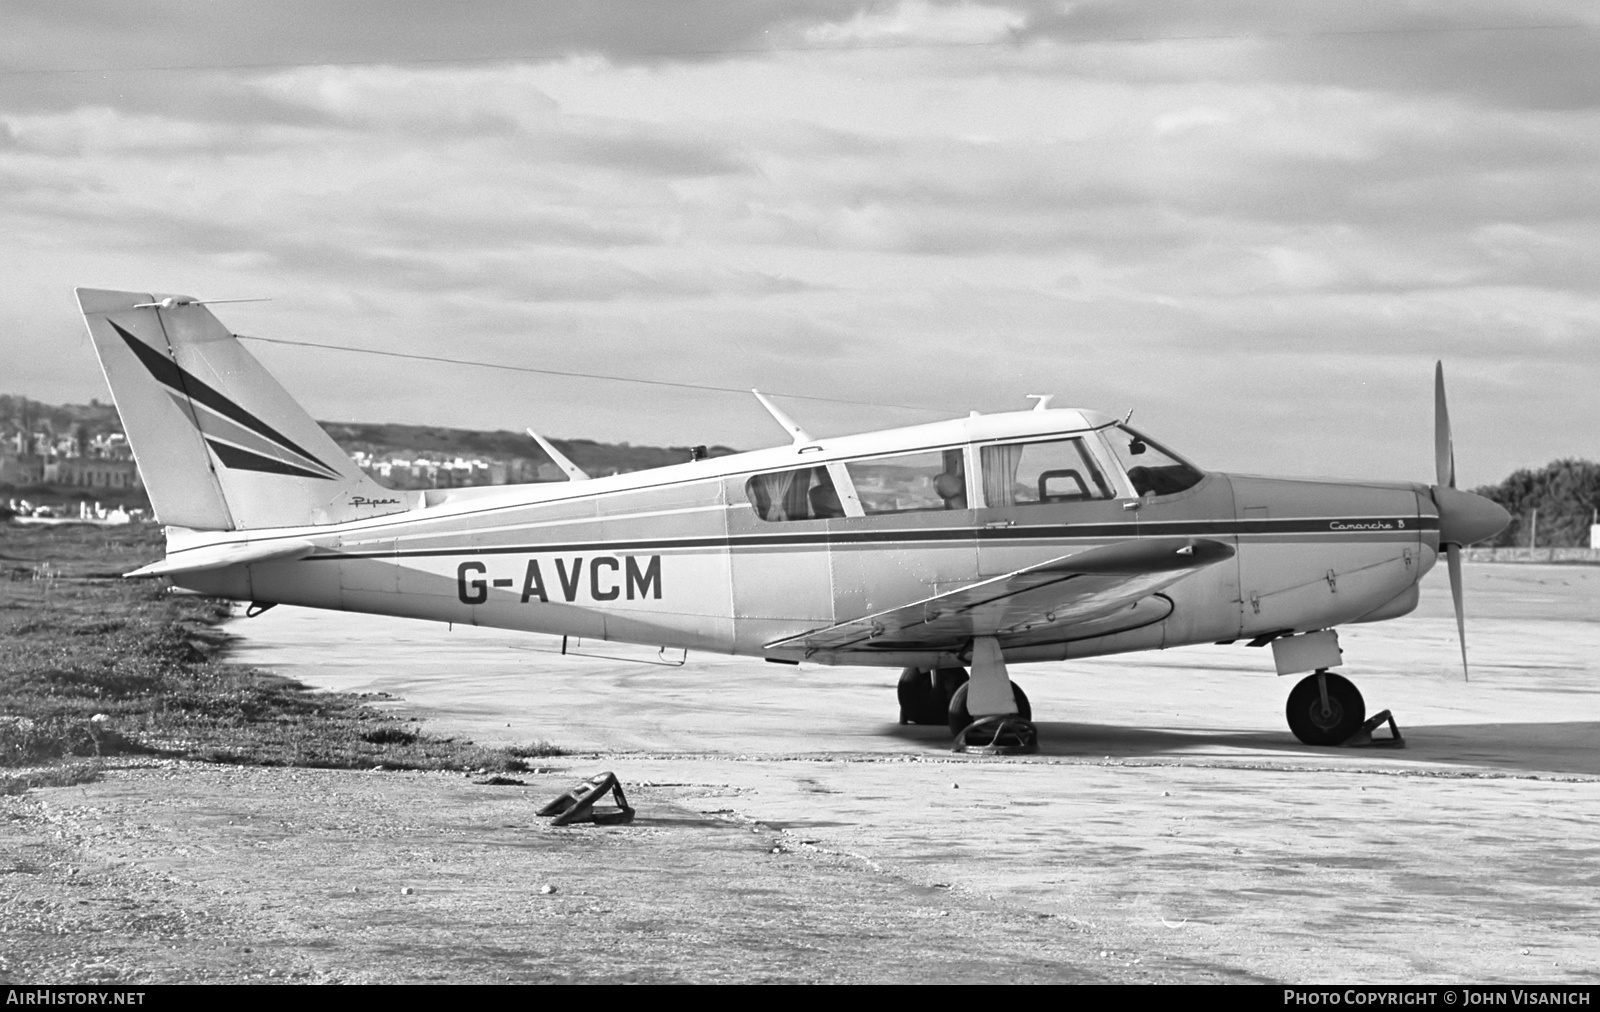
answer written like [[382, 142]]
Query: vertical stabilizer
[[220, 445]]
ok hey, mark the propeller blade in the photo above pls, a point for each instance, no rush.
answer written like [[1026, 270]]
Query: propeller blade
[[1454, 557], [1444, 448]]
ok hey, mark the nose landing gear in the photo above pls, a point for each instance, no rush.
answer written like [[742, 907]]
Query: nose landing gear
[[1325, 709]]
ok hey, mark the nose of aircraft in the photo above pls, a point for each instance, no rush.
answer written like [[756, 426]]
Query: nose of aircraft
[[1465, 518]]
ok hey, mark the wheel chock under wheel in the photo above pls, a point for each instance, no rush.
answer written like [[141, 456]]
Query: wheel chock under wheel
[[1007, 734], [577, 805], [1363, 737]]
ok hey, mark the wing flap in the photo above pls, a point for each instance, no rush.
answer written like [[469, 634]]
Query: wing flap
[[1063, 592]]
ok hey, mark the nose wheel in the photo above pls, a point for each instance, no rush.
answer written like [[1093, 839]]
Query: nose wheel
[[1325, 709]]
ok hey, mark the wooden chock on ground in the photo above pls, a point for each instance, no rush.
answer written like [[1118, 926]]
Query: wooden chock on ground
[[1007, 734], [1363, 737], [578, 804]]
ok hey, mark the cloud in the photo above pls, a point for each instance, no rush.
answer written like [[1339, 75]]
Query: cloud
[[1532, 55], [918, 21], [1212, 212], [108, 36]]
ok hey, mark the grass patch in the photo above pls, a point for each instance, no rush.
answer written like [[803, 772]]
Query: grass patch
[[538, 750], [94, 665], [389, 736], [63, 774]]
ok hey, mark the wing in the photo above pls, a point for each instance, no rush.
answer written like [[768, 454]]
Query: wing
[[1066, 592]]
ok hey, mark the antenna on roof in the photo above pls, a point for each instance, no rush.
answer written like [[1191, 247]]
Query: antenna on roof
[[1042, 401], [1127, 416], [574, 472], [790, 426]]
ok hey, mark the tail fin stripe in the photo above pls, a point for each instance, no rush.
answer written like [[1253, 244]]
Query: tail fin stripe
[[215, 427], [172, 375], [243, 460]]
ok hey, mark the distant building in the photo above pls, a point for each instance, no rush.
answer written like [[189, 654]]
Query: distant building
[[456, 472], [92, 472], [21, 471], [33, 452], [110, 446]]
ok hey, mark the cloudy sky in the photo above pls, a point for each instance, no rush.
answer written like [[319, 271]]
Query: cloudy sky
[[1255, 223]]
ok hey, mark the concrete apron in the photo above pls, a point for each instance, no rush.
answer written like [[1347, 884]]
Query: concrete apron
[[1169, 810]]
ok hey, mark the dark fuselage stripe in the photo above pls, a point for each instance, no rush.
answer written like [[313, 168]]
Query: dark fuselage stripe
[[1348, 528]]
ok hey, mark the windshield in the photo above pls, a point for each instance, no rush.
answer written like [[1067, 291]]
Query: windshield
[[1151, 469]]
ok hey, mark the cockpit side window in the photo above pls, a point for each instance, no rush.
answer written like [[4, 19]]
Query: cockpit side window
[[1048, 471], [806, 494], [1151, 470], [911, 482]]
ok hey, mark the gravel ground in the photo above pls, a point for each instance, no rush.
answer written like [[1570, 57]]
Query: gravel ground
[[171, 872]]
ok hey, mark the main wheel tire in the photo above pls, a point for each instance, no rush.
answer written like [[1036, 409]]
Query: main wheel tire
[[1347, 711], [925, 696], [915, 692], [946, 683], [960, 718]]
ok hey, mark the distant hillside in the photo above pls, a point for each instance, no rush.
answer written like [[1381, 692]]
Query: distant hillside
[[510, 456], [595, 458], [1565, 492], [32, 415]]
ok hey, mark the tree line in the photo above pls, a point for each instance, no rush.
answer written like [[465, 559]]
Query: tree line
[[1564, 492]]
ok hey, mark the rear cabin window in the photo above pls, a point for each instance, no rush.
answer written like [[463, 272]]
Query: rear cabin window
[[911, 482], [1057, 470], [807, 494]]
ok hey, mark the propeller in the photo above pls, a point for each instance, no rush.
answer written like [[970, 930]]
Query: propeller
[[1464, 518], [1444, 446]]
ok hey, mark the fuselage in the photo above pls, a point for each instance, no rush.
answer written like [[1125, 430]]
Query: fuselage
[[733, 553]]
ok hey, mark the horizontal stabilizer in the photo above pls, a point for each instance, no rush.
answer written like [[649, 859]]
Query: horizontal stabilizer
[[235, 553]]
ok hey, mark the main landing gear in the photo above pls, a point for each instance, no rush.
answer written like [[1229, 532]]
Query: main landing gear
[[987, 713], [925, 695]]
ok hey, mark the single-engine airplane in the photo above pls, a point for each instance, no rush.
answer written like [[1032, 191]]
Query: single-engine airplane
[[977, 542]]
